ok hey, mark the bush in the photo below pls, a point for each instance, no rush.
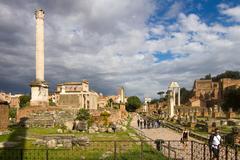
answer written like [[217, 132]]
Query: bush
[[51, 103], [12, 112], [24, 101], [83, 115], [105, 116]]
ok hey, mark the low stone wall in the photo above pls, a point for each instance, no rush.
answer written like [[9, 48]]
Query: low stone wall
[[58, 141], [45, 116], [56, 116]]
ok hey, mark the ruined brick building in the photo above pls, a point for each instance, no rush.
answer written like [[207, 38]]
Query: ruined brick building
[[208, 93]]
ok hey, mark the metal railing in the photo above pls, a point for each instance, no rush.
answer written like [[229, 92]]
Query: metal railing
[[111, 150], [131, 149], [192, 150]]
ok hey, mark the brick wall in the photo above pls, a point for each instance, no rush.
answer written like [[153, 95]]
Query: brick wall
[[4, 111]]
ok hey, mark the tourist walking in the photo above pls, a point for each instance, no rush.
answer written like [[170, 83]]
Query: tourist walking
[[210, 140], [159, 123], [216, 141], [153, 123], [184, 138], [144, 123], [141, 123], [148, 124], [156, 124]]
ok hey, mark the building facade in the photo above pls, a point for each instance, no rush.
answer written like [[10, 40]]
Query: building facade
[[76, 95]]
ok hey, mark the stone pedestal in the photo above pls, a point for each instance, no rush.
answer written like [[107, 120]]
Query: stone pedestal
[[215, 115], [122, 107], [39, 93], [231, 115], [192, 124], [205, 113], [197, 114]]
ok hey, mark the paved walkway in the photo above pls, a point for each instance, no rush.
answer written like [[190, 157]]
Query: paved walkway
[[158, 133], [177, 149]]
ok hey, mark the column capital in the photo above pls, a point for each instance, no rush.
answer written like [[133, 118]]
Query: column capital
[[39, 14]]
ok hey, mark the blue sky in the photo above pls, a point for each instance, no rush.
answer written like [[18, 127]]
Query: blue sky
[[142, 45]]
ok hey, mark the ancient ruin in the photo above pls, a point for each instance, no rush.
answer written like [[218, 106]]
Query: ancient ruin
[[76, 95], [173, 88], [4, 111], [208, 93], [39, 87]]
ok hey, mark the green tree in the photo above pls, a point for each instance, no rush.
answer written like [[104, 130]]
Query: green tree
[[207, 77], [160, 94], [51, 103], [133, 103], [185, 95], [227, 74], [231, 99], [153, 101], [12, 112], [110, 103], [24, 101], [83, 115]]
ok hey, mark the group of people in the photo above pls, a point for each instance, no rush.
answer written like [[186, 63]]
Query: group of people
[[213, 142], [145, 123]]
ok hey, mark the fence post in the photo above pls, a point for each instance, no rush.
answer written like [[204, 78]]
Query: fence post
[[236, 152], [169, 150], [204, 151], [115, 150], [21, 154], [226, 152], [191, 150], [47, 154], [141, 150]]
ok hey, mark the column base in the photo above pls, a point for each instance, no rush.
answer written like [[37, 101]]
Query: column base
[[39, 93]]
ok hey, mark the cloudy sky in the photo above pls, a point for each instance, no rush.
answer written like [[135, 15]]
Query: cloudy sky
[[142, 45]]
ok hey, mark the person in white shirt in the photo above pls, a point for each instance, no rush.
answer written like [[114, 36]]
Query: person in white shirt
[[216, 141]]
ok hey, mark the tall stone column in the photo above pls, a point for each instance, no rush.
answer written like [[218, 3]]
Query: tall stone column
[[179, 96], [171, 109], [122, 95], [174, 97], [39, 15], [39, 87]]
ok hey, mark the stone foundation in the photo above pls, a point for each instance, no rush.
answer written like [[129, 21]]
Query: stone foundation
[[4, 111], [231, 115], [216, 114]]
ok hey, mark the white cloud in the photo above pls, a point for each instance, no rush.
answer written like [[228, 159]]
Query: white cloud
[[233, 12], [108, 43], [174, 10]]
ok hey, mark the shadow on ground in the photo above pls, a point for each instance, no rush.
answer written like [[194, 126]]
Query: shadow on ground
[[13, 148]]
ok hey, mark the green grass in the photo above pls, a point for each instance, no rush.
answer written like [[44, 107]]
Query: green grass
[[124, 151], [226, 129]]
